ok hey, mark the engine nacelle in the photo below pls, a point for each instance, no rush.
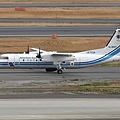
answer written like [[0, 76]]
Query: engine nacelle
[[51, 69]]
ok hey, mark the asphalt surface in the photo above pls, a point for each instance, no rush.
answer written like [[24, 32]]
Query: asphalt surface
[[61, 96], [85, 74], [60, 109], [63, 5], [14, 78], [65, 31], [60, 20]]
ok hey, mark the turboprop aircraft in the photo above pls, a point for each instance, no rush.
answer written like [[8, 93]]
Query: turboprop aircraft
[[54, 61]]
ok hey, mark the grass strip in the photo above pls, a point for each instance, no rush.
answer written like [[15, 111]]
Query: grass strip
[[53, 24], [63, 12], [94, 88]]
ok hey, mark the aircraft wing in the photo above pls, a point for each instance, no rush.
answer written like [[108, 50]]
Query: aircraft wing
[[61, 54], [54, 56], [57, 57]]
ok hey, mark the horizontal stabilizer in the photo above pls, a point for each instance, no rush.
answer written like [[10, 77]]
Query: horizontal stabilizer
[[37, 50]]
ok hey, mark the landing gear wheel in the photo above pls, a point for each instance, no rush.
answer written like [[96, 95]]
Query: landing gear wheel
[[59, 71]]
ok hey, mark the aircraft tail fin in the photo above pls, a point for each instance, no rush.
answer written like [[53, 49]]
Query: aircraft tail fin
[[114, 42]]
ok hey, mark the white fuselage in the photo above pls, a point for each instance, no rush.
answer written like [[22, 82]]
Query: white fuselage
[[80, 59]]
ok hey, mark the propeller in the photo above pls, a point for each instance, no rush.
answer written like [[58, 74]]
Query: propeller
[[28, 50], [39, 55]]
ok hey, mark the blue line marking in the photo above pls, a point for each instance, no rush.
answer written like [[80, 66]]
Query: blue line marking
[[105, 57]]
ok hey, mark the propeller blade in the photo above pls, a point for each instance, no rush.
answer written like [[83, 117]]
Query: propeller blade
[[39, 54], [27, 52]]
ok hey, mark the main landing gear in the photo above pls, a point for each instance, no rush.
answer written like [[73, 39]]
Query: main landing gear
[[59, 71]]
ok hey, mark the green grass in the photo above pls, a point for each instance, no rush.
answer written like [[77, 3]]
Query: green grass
[[112, 64], [99, 87], [97, 84]]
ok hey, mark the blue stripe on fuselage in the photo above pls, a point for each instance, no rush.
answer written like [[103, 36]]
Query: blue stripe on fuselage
[[103, 58]]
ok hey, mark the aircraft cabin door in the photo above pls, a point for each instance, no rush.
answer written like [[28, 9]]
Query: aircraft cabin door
[[79, 61], [16, 60]]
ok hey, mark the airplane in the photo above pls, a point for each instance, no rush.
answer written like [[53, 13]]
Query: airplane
[[55, 61]]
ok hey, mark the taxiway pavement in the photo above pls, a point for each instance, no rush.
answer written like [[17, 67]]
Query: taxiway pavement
[[95, 73], [61, 31], [60, 109], [62, 5]]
